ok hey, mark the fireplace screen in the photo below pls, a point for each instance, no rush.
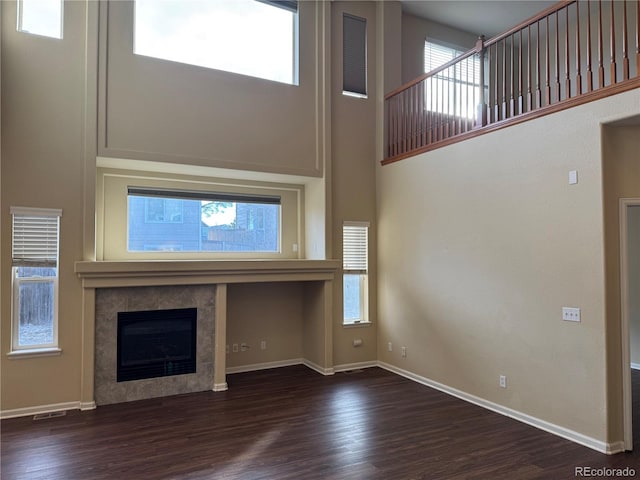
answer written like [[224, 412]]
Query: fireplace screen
[[156, 343]]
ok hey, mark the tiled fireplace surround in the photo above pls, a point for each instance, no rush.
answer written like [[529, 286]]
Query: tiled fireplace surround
[[111, 287]]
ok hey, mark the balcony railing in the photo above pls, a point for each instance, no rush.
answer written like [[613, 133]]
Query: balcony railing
[[574, 52]]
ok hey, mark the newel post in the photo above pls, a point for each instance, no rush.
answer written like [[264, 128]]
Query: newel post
[[481, 116]]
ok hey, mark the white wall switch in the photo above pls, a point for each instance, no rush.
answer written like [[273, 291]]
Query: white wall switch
[[573, 177], [571, 314], [503, 381]]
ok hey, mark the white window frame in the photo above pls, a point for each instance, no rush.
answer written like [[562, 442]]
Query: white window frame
[[34, 4], [44, 252], [355, 261]]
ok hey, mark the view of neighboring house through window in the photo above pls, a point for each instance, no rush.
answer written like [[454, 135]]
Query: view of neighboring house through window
[[40, 17], [34, 268], [355, 240], [250, 37], [455, 90], [186, 221]]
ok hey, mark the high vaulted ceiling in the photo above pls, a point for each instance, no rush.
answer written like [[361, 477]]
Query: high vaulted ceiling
[[481, 17]]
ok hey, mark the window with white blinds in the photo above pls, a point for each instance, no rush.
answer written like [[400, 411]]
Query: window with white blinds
[[354, 247], [34, 267], [355, 265], [35, 237], [436, 55]]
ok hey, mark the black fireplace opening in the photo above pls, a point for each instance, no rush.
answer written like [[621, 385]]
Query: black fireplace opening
[[156, 343]]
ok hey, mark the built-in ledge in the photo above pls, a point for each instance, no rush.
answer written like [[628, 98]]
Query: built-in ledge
[[318, 276]]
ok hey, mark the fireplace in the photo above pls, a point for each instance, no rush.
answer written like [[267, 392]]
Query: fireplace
[[156, 343]]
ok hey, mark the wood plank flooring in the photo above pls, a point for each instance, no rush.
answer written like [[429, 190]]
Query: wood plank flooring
[[291, 423]]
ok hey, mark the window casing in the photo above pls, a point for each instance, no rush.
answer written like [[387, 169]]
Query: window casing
[[34, 269], [355, 269], [258, 38], [455, 90]]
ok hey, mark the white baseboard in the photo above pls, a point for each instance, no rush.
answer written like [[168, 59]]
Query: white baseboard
[[220, 387], [264, 366], [345, 367], [318, 368], [39, 409], [635, 366], [600, 446], [87, 406]]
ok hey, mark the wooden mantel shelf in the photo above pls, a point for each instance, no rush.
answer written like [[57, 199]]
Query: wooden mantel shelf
[[97, 274]]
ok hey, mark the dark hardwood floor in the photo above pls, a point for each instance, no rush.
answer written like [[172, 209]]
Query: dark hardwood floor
[[291, 423]]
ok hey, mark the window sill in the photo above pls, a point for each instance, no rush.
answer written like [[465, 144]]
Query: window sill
[[35, 352], [356, 325]]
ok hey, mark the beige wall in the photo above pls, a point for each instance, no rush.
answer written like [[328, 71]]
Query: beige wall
[[482, 249], [353, 128], [415, 31]]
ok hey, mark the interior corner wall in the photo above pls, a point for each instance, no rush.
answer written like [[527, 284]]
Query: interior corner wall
[[481, 245], [415, 31]]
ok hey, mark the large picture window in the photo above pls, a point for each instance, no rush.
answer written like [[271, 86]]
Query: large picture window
[[190, 221], [250, 37], [34, 267]]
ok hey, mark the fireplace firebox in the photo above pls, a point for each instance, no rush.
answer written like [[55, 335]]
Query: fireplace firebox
[[156, 343]]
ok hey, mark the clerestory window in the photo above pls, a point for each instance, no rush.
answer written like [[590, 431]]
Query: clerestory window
[[249, 37]]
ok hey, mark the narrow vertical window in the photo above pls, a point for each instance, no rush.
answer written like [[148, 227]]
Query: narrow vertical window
[[34, 268], [354, 56], [355, 240], [40, 17]]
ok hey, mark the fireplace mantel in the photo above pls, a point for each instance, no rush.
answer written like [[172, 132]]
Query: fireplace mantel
[[101, 274], [318, 275]]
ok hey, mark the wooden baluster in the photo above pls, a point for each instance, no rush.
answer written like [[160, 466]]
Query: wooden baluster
[[538, 91], [578, 65], [421, 110], [460, 104], [520, 71], [489, 107], [481, 119], [439, 110], [512, 102], [389, 127], [600, 51], [416, 116], [403, 102], [589, 72], [547, 90], [504, 78], [529, 92], [625, 43], [557, 84], [614, 77], [431, 109], [567, 81], [496, 107]]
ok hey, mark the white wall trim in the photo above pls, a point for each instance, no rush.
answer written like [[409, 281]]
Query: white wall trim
[[602, 447], [635, 366], [264, 366], [220, 387], [87, 406], [354, 366], [318, 368], [39, 409]]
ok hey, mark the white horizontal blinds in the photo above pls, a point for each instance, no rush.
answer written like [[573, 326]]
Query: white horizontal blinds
[[354, 248], [35, 237], [204, 196], [436, 55], [354, 54]]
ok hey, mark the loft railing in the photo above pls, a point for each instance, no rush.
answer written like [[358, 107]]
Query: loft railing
[[574, 52]]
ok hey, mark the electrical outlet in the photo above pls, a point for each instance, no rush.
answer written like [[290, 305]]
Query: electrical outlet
[[390, 347], [571, 314], [235, 348], [244, 347], [503, 381], [263, 345], [404, 351]]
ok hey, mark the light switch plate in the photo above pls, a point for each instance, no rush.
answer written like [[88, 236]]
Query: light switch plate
[[571, 314]]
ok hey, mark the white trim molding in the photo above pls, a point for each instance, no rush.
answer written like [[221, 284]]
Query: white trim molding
[[635, 366], [318, 368], [264, 366], [345, 367], [40, 409], [603, 447], [220, 387]]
